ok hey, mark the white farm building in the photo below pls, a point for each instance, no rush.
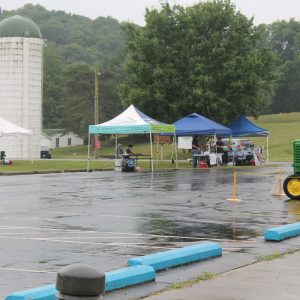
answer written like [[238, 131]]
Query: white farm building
[[21, 77]]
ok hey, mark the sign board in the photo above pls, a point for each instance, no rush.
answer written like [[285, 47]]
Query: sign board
[[162, 139]]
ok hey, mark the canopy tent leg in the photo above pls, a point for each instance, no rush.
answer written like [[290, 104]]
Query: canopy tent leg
[[88, 161], [116, 146], [267, 149], [176, 158], [172, 153], [151, 151], [157, 141]]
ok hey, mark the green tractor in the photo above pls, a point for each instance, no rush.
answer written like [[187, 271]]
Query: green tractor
[[291, 184]]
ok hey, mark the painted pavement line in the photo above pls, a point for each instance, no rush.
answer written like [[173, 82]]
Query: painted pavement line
[[132, 245], [148, 218], [26, 270], [27, 218], [66, 213], [70, 237], [129, 237], [11, 227], [110, 237], [132, 233]]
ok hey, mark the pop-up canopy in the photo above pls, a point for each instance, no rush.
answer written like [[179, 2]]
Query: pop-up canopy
[[195, 124], [132, 121], [8, 128], [243, 127]]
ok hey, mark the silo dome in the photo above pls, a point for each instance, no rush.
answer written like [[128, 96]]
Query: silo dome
[[18, 26]]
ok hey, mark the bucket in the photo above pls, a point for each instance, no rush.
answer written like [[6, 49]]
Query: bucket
[[203, 165], [118, 162]]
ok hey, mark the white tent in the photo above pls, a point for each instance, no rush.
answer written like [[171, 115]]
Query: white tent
[[131, 121], [8, 128]]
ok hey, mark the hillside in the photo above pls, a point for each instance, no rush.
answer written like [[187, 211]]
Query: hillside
[[74, 45], [77, 38], [284, 129]]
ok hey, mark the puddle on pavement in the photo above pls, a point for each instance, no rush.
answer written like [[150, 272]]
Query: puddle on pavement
[[104, 217]]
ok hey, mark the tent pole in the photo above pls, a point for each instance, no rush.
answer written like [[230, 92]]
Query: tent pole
[[172, 151], [157, 141], [267, 149], [151, 151], [88, 162], [116, 145], [176, 150]]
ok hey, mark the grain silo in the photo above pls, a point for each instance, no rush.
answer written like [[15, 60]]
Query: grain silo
[[21, 83]]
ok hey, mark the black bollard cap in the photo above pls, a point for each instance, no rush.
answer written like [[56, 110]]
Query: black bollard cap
[[80, 280]]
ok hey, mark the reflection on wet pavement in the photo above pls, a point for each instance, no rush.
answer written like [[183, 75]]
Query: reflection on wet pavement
[[103, 218]]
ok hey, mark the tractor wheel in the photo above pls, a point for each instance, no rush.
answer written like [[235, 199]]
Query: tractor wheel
[[291, 186]]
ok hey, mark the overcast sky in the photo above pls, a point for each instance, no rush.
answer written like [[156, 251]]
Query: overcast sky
[[264, 11]]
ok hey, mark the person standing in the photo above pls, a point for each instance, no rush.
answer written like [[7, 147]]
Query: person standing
[[119, 151], [220, 150], [220, 145], [195, 150]]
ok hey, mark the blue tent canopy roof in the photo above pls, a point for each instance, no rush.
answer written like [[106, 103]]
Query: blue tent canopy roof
[[195, 124], [243, 127]]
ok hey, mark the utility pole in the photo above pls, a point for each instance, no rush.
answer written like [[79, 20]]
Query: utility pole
[[97, 73]]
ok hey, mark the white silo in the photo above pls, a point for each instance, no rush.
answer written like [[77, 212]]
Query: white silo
[[21, 83]]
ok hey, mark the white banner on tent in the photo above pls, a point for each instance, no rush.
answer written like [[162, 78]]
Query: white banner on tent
[[185, 142]]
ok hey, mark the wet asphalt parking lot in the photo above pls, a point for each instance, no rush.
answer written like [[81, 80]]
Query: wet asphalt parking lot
[[104, 218]]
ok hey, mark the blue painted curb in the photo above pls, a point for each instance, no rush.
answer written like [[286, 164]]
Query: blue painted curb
[[282, 232], [113, 280], [176, 257], [128, 276], [46, 292]]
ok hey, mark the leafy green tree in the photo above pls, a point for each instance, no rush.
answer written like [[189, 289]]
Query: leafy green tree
[[79, 99], [102, 37], [287, 91], [53, 89], [284, 38], [205, 58]]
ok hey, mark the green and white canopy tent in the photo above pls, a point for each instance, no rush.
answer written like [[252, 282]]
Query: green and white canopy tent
[[132, 121]]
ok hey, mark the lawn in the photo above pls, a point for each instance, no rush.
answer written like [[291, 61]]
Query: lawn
[[283, 128], [53, 165]]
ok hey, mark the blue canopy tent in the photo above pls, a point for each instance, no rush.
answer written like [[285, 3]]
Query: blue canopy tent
[[242, 127], [196, 124]]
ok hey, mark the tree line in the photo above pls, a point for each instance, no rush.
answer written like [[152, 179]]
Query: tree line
[[207, 58]]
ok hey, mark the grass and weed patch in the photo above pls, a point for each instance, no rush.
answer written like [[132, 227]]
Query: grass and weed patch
[[188, 283]]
